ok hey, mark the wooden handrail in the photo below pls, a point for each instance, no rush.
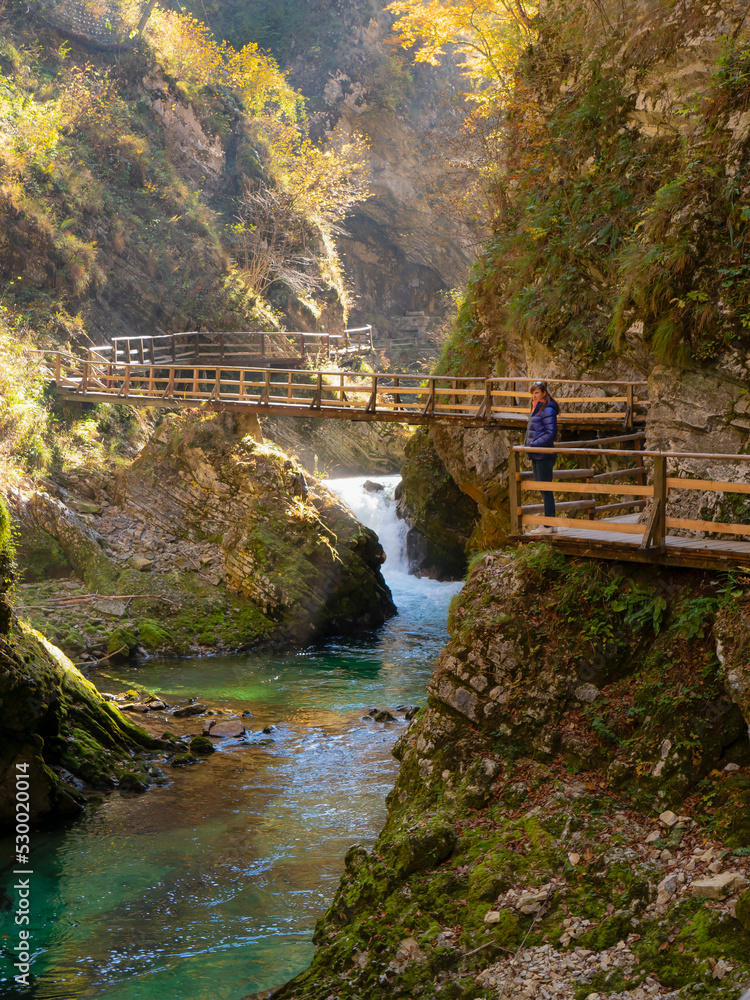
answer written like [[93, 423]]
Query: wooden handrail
[[565, 450], [654, 531]]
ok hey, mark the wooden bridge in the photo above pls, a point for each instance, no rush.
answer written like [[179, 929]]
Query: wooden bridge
[[626, 499], [646, 485], [287, 350], [398, 398]]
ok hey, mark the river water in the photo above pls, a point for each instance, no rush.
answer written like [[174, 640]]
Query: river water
[[210, 886]]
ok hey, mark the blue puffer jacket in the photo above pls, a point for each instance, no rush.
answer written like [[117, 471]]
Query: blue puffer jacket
[[542, 427]]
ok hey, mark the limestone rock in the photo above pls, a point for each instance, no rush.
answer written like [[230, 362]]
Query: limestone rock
[[720, 886], [224, 730]]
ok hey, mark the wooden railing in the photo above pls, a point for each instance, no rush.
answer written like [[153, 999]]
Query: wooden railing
[[406, 397], [236, 348], [590, 488]]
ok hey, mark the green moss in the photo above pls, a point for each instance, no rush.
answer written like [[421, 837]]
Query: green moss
[[742, 910], [202, 745], [703, 934], [51, 714], [153, 635], [122, 641]]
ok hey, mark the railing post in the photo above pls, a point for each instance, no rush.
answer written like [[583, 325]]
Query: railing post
[[196, 347], [221, 348], [487, 399], [57, 368], [174, 350], [513, 492], [654, 537], [629, 408]]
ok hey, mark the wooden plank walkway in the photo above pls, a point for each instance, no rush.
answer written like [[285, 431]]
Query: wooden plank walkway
[[270, 349], [600, 543], [393, 397], [641, 536]]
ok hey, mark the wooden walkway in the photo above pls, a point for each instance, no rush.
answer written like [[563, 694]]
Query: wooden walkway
[[287, 350], [393, 397], [647, 534]]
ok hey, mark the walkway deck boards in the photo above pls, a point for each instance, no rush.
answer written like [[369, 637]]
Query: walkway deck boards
[[697, 553]]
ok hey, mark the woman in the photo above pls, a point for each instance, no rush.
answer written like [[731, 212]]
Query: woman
[[542, 431]]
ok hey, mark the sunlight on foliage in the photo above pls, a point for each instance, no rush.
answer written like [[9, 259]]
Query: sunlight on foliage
[[487, 34], [189, 51]]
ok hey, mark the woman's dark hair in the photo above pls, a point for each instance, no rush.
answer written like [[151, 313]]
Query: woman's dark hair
[[543, 387]]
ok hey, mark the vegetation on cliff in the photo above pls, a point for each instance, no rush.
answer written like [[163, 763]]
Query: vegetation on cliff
[[617, 185], [163, 171]]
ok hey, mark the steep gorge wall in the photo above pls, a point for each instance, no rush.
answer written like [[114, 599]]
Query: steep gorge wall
[[622, 246], [398, 250]]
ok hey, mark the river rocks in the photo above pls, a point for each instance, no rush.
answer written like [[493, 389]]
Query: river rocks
[[224, 730], [202, 745], [186, 710]]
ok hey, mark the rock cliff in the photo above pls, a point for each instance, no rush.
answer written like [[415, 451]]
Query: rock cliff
[[227, 539], [399, 251], [573, 787]]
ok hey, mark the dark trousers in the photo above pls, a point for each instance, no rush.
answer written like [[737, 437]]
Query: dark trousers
[[542, 470]]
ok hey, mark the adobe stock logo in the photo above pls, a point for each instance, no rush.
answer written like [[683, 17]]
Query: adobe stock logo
[[22, 884]]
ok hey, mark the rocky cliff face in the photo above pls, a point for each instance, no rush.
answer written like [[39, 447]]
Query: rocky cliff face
[[399, 252], [620, 251], [572, 788], [226, 538]]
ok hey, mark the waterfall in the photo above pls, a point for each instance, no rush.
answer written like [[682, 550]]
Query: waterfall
[[418, 598]]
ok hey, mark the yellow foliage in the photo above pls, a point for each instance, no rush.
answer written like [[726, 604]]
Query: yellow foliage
[[189, 51], [29, 130], [487, 33]]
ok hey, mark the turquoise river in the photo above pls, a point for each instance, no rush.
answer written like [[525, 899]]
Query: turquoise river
[[210, 886]]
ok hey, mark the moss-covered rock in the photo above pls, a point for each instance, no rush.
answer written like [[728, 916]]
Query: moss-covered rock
[[289, 548], [202, 745], [55, 721]]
